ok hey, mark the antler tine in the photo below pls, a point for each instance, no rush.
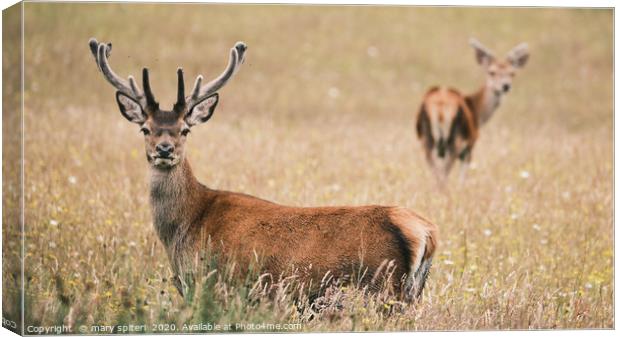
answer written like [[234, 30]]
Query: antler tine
[[219, 82], [196, 89], [237, 56], [241, 48], [114, 79], [180, 90], [94, 47], [101, 52], [146, 84], [134, 87]]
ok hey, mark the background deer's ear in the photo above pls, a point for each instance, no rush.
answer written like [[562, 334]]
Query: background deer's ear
[[202, 111], [519, 55], [484, 56], [130, 109]]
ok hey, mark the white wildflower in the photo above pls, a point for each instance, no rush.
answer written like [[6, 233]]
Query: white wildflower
[[524, 174], [72, 180], [536, 227], [487, 232], [448, 262], [53, 223], [333, 92], [372, 51]]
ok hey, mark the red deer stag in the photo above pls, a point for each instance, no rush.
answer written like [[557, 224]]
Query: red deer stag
[[187, 214], [448, 122]]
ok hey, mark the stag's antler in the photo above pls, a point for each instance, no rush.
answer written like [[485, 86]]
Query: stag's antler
[[101, 52], [237, 56]]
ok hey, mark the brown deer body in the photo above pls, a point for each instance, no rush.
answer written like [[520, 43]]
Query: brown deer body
[[188, 215], [448, 122]]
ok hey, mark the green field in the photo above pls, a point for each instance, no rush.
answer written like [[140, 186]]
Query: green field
[[321, 113]]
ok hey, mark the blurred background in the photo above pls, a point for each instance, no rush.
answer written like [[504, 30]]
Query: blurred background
[[322, 113]]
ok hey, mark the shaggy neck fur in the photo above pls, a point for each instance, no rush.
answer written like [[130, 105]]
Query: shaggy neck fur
[[172, 193], [483, 103]]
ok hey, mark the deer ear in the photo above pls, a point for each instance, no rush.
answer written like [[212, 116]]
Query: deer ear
[[483, 58], [202, 111], [130, 109], [519, 55], [483, 55]]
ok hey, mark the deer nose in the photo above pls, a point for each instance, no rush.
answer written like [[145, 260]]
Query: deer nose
[[164, 149], [506, 87]]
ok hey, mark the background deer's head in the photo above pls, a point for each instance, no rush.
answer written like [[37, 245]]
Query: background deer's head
[[165, 131], [500, 72]]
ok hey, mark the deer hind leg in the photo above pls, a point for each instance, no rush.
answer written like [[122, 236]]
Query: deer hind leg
[[465, 158], [442, 167], [438, 166], [433, 161], [419, 272], [440, 160], [448, 164], [420, 276], [422, 238]]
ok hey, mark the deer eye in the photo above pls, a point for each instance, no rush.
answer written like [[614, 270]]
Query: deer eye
[[145, 131], [184, 132]]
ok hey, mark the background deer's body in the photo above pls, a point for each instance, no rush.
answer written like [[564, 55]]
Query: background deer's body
[[188, 216], [447, 128], [448, 122]]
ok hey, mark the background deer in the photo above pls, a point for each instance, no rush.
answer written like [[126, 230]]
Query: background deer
[[448, 122], [187, 215]]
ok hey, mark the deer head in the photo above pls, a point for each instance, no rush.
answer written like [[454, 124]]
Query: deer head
[[500, 73], [165, 131]]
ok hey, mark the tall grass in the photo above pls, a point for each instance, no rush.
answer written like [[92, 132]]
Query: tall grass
[[322, 113]]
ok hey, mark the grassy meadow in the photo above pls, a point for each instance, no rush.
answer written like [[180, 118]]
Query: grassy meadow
[[321, 113]]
